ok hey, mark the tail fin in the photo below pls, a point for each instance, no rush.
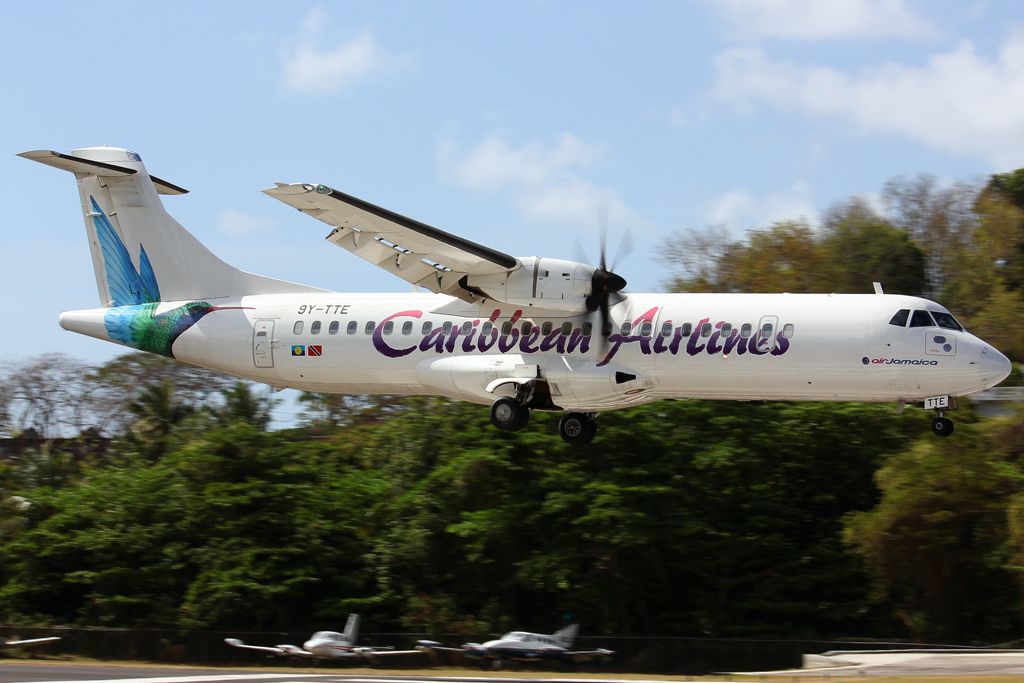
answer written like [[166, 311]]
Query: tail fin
[[139, 252], [352, 629], [567, 635]]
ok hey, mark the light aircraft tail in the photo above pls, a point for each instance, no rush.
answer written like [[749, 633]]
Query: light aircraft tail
[[139, 252], [352, 629], [567, 635]]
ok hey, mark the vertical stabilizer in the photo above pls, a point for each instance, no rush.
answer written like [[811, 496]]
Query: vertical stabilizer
[[567, 635], [140, 253], [351, 631]]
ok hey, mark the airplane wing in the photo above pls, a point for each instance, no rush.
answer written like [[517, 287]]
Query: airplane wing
[[373, 652], [414, 251], [27, 643], [280, 650], [432, 645]]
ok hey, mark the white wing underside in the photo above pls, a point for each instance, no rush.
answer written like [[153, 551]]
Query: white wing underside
[[418, 253]]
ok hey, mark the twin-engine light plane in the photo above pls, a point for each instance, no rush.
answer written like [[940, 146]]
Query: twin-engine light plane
[[523, 647], [517, 333], [326, 645]]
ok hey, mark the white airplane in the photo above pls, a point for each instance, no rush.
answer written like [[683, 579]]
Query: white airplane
[[326, 645], [518, 333], [30, 642], [524, 647]]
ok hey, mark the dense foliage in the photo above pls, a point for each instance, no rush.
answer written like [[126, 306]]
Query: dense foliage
[[167, 502]]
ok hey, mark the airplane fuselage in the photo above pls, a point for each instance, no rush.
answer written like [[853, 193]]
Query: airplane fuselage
[[827, 347]]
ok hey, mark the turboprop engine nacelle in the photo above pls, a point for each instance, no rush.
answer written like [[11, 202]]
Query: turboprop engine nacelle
[[543, 282]]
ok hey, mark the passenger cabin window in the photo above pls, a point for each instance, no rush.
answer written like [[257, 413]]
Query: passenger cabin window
[[427, 327], [766, 331], [687, 329], [447, 327], [666, 329], [389, 327], [588, 327], [726, 329], [945, 320], [545, 329], [646, 328], [334, 327], [527, 327], [297, 327], [466, 327], [626, 329], [567, 328], [787, 330], [485, 329], [315, 327], [606, 329], [900, 317], [352, 327], [705, 330], [746, 329], [921, 319], [506, 327], [407, 327], [369, 327]]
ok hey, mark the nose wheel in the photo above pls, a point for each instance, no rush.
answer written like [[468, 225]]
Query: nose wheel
[[942, 426], [577, 428], [509, 414]]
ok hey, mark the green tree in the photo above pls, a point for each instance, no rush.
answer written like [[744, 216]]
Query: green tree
[[938, 544]]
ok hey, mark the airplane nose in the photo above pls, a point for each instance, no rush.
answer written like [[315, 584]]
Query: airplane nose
[[993, 367]]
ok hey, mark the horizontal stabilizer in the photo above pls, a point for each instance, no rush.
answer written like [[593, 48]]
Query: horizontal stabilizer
[[75, 164]]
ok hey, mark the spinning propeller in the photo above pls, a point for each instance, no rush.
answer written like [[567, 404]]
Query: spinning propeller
[[605, 284]]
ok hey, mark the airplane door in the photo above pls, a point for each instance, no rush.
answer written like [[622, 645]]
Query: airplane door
[[263, 344], [767, 330]]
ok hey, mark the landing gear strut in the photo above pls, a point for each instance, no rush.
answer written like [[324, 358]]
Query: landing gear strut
[[577, 428], [509, 414]]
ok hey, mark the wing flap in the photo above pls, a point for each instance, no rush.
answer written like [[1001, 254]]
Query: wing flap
[[416, 252]]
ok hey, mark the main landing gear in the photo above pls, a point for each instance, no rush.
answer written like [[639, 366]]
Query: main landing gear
[[577, 428], [511, 415]]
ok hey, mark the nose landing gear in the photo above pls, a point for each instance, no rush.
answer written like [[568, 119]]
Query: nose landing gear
[[942, 426]]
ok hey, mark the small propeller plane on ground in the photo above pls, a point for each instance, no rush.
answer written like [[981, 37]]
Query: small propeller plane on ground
[[326, 645], [523, 647], [518, 333]]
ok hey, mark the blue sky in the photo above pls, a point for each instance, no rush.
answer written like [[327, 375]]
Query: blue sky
[[508, 123]]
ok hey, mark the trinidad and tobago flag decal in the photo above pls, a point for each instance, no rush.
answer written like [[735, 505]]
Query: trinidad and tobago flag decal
[[315, 350]]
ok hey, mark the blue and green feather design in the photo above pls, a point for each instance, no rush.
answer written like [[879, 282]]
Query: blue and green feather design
[[134, 295]]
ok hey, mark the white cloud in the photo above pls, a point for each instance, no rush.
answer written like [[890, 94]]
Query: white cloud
[[239, 224], [957, 102], [544, 180], [822, 19], [312, 66], [740, 210]]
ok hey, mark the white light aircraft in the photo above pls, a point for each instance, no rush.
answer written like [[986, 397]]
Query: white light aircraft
[[518, 333], [326, 645], [524, 647]]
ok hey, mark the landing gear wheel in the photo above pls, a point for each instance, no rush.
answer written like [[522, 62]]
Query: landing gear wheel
[[577, 428], [509, 414], [942, 426]]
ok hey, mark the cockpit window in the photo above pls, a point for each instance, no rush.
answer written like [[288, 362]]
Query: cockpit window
[[921, 319], [947, 321], [900, 319]]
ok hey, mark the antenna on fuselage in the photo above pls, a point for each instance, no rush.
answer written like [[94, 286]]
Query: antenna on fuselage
[[878, 287]]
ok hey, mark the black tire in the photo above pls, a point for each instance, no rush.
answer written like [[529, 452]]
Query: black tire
[[576, 428], [942, 426], [509, 414]]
